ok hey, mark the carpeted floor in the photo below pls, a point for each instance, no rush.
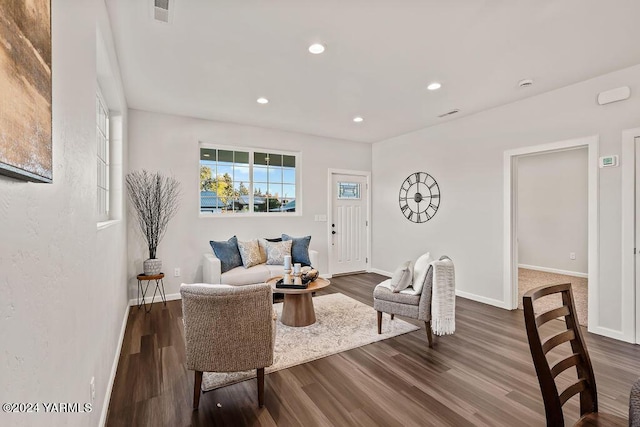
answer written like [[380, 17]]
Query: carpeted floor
[[342, 323], [530, 279]]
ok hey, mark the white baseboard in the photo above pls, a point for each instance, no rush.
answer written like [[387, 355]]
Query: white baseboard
[[148, 298], [484, 300], [611, 333], [382, 272], [554, 270], [114, 368], [326, 276]]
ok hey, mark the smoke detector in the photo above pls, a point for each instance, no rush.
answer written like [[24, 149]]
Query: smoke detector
[[525, 83], [449, 113], [161, 10]]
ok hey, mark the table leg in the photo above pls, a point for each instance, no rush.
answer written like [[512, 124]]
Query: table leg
[[298, 310], [162, 294]]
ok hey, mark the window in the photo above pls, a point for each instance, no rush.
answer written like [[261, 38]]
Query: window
[[247, 181], [102, 135]]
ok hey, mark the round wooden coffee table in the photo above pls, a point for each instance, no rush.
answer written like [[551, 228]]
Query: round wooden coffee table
[[298, 309]]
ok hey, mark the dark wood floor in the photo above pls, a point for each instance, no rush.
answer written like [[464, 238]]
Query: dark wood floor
[[482, 375]]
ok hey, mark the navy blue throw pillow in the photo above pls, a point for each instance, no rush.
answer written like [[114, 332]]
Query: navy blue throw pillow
[[228, 253], [275, 239], [299, 249]]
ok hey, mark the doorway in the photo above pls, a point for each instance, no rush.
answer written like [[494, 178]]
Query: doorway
[[510, 288], [552, 231], [348, 225]]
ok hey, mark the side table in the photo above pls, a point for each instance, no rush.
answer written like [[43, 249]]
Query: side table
[[159, 283]]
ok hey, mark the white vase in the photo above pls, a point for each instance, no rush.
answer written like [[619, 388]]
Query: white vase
[[152, 266]]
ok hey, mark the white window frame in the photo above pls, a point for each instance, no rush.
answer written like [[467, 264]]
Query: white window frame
[[104, 200], [251, 151]]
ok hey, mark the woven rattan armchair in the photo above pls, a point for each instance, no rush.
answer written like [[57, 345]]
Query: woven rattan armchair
[[228, 329]]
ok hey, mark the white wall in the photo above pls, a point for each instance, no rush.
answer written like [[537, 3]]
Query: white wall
[[553, 210], [62, 282], [170, 144], [466, 157]]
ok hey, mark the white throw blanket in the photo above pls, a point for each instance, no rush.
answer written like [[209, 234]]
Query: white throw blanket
[[443, 298]]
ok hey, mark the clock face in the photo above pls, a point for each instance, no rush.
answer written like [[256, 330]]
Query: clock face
[[419, 197]]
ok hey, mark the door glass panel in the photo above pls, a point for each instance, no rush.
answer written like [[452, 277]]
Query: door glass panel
[[348, 190]]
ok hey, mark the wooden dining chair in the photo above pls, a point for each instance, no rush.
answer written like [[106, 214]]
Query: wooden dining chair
[[547, 375]]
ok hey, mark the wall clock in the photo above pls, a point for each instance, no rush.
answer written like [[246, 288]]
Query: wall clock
[[419, 197]]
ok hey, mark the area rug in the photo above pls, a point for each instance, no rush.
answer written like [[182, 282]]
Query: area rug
[[342, 323], [530, 279]]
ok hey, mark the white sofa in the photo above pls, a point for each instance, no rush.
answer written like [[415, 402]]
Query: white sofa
[[212, 271]]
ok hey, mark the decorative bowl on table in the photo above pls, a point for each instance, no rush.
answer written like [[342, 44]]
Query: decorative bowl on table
[[309, 275]]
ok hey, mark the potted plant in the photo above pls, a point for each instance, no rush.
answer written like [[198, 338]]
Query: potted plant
[[154, 199]]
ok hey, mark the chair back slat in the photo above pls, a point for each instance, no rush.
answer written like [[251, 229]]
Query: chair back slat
[[551, 314], [565, 364], [558, 339], [572, 390], [585, 386]]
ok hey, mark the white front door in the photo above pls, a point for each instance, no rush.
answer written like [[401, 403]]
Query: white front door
[[349, 223]]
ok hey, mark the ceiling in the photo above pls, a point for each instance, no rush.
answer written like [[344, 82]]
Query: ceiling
[[216, 57]]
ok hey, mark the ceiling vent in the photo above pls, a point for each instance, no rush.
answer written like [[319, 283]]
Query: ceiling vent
[[161, 10], [525, 83], [450, 113]]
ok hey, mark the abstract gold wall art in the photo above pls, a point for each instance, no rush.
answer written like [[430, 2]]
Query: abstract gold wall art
[[25, 90]]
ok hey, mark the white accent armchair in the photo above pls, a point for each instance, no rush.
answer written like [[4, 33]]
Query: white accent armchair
[[228, 329]]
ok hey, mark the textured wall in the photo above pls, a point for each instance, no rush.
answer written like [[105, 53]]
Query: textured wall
[[553, 211], [170, 144], [466, 157], [62, 292]]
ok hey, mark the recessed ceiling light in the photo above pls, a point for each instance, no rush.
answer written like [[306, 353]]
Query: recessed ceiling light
[[358, 119], [434, 86], [262, 100], [316, 48]]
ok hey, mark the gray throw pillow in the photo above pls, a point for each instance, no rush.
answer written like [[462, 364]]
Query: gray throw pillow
[[402, 277], [299, 249], [228, 254]]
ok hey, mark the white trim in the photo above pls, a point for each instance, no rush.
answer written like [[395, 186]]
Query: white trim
[[510, 278], [147, 300], [554, 270], [366, 174], [479, 298], [630, 297], [326, 276], [114, 369], [611, 333], [381, 272], [106, 224]]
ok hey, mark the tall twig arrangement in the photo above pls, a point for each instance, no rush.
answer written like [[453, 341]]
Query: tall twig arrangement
[[154, 198]]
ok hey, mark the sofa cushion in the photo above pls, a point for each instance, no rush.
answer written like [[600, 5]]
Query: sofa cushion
[[383, 292], [276, 252], [402, 277], [250, 253], [299, 249], [244, 276], [228, 254]]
